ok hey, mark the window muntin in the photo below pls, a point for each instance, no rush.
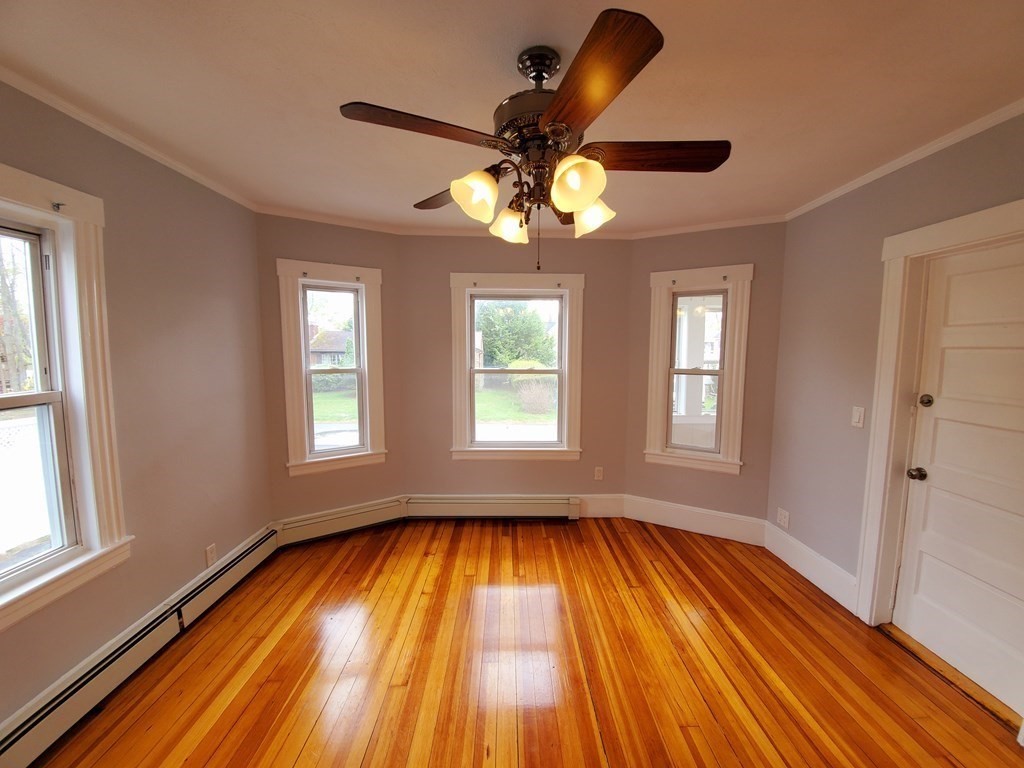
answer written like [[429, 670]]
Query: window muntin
[[696, 370], [517, 372], [36, 508], [335, 375]]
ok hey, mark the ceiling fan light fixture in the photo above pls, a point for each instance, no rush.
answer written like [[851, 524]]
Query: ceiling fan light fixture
[[509, 227], [592, 218], [477, 194], [577, 183]]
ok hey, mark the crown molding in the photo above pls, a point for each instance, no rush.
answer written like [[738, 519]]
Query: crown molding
[[45, 95], [1008, 112], [48, 97]]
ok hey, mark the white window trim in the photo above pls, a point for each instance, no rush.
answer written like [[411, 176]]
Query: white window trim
[[735, 280], [292, 275], [463, 284], [76, 220]]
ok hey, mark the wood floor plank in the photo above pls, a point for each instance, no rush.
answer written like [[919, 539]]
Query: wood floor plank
[[526, 643]]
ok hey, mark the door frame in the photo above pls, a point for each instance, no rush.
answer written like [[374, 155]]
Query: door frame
[[905, 258]]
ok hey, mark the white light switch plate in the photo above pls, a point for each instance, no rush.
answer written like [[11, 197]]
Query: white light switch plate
[[857, 417]]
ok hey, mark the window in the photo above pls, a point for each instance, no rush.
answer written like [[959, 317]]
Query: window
[[330, 321], [697, 359], [56, 414], [37, 515], [516, 351]]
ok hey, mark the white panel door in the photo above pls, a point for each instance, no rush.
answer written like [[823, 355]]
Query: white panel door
[[961, 583]]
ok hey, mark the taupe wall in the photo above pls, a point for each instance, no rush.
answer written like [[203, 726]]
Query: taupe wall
[[417, 358], [830, 309], [183, 312], [761, 246], [417, 364], [426, 435], [280, 238], [196, 357]]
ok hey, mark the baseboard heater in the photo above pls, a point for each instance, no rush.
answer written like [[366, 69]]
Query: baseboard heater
[[44, 720], [493, 506]]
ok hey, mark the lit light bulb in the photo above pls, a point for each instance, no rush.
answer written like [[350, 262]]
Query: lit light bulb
[[508, 226], [593, 217], [476, 193], [577, 183]]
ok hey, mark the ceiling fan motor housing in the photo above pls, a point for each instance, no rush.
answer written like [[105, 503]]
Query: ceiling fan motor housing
[[516, 118]]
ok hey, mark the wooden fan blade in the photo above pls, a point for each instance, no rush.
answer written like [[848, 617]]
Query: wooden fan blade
[[675, 156], [617, 47], [440, 200], [392, 118]]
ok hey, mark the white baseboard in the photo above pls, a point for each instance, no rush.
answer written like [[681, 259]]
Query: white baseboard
[[838, 584], [45, 719], [29, 731], [603, 505], [749, 530]]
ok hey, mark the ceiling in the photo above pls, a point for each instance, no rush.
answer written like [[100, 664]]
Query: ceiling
[[243, 95]]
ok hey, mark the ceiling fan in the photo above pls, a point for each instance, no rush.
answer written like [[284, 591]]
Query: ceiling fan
[[540, 131]]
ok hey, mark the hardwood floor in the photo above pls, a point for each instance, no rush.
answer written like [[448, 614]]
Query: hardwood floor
[[526, 643]]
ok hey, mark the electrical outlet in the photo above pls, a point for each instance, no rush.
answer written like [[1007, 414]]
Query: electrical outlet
[[599, 473], [782, 517], [211, 555]]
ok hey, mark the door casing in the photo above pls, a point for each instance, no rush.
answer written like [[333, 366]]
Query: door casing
[[905, 258]]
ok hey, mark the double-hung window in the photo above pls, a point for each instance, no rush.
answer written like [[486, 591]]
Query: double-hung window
[[330, 320], [56, 402], [697, 357], [517, 341], [37, 515]]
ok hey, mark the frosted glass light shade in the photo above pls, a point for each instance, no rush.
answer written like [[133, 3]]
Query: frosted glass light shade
[[507, 227], [577, 183], [592, 218], [476, 193]]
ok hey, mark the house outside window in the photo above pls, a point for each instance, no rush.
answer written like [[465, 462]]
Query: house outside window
[[517, 342], [698, 341], [330, 320]]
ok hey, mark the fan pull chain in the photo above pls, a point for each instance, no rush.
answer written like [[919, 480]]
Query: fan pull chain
[[538, 238]]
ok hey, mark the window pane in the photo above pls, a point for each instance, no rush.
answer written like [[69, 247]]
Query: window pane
[[335, 411], [698, 331], [694, 411], [18, 355], [331, 328], [30, 519], [516, 333], [515, 408]]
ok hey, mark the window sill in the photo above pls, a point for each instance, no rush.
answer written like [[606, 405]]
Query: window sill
[[516, 454], [708, 463], [29, 596], [315, 466]]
